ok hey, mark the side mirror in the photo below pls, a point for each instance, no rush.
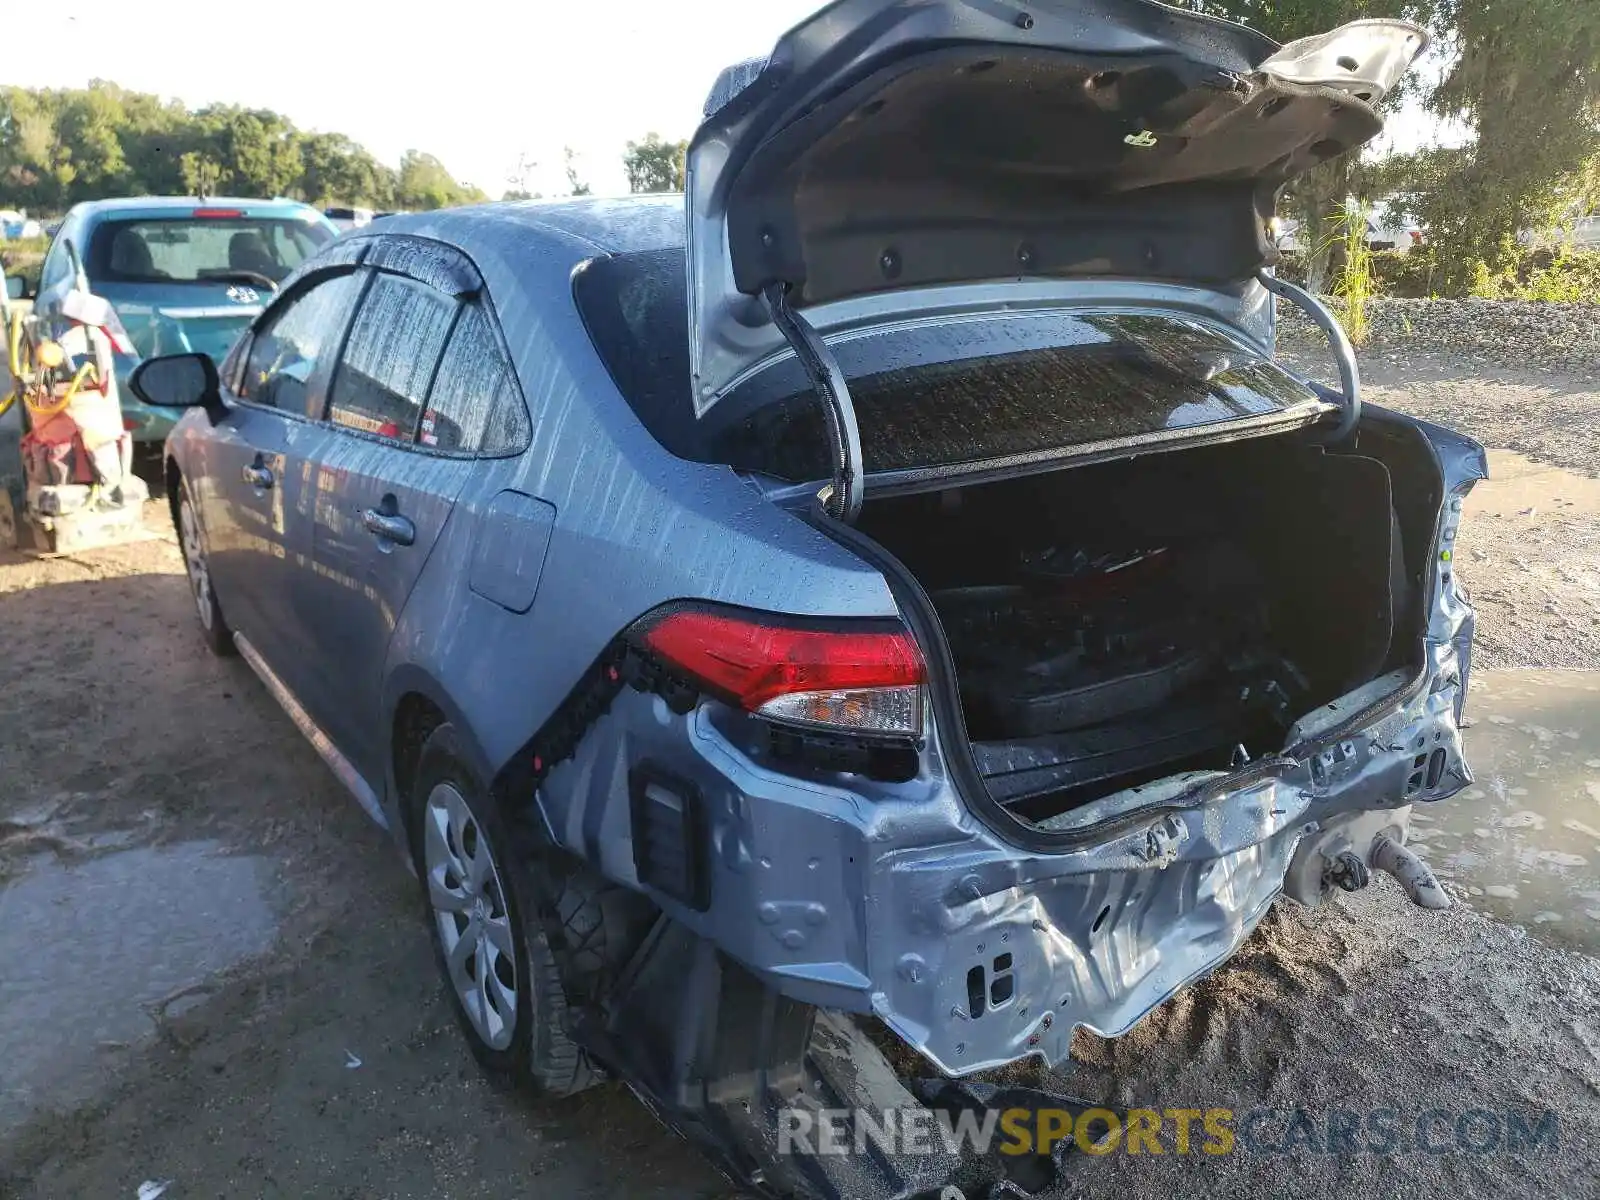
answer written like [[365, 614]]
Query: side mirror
[[177, 381], [18, 288]]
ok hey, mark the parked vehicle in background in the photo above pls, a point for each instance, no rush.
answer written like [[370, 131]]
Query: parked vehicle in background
[[820, 609], [345, 219], [181, 274], [1578, 232], [1384, 232]]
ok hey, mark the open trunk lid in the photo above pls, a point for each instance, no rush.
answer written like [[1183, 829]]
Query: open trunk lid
[[904, 146]]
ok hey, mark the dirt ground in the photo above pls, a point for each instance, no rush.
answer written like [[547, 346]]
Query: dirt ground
[[213, 972]]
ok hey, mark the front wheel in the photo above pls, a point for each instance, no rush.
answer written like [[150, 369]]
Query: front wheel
[[500, 975], [213, 628]]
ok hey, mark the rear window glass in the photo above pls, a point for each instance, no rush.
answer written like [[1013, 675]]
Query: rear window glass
[[1109, 376], [188, 249], [636, 308], [1129, 376]]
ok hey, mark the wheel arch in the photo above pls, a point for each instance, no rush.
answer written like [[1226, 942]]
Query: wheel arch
[[173, 474], [415, 704]]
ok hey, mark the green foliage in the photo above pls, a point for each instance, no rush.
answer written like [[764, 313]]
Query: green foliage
[[1526, 77], [1357, 283], [575, 183], [1562, 276], [60, 146], [654, 165], [423, 183], [24, 257]]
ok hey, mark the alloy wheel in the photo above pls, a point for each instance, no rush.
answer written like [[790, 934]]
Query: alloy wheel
[[469, 907], [194, 558]]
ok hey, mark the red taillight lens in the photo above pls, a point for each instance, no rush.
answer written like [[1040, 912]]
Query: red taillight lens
[[217, 213], [865, 680]]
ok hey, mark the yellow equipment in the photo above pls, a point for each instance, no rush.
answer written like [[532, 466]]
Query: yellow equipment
[[80, 489]]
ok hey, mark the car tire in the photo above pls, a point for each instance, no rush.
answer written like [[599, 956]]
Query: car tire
[[501, 979], [191, 544]]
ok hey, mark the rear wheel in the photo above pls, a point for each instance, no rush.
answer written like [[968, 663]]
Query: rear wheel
[[501, 978], [213, 628]]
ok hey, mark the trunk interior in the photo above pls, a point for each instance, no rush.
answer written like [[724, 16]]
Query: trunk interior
[[1119, 623]]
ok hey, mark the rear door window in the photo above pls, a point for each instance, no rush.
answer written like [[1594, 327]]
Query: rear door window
[[475, 406], [389, 363], [296, 339]]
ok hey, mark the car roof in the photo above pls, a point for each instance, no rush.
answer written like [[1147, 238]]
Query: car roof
[[163, 206], [598, 226]]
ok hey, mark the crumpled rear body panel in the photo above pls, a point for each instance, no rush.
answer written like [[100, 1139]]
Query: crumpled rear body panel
[[895, 899]]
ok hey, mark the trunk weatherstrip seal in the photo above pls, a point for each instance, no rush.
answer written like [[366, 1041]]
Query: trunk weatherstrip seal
[[843, 498]]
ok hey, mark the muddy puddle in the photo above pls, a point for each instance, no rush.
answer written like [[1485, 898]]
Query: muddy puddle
[[96, 954], [1523, 843]]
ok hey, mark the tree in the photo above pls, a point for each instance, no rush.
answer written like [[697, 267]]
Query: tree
[[88, 122], [654, 165], [201, 174], [58, 147], [425, 184], [519, 184], [34, 172], [337, 171], [1524, 75], [1526, 78], [575, 185]]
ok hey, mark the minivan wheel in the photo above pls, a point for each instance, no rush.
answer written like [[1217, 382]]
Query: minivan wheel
[[213, 628], [500, 976]]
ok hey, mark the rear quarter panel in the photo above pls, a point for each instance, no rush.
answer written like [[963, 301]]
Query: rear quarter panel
[[634, 527]]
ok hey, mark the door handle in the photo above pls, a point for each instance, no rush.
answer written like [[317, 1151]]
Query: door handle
[[259, 476], [391, 527]]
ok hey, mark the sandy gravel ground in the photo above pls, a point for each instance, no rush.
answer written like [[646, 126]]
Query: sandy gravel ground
[[308, 1052]]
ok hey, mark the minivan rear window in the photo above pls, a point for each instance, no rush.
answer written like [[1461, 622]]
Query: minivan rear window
[[206, 249], [971, 393]]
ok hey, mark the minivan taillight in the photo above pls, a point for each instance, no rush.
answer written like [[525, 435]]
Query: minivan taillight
[[846, 676]]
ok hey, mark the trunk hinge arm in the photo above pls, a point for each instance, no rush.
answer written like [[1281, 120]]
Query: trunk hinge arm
[[1344, 354], [842, 500]]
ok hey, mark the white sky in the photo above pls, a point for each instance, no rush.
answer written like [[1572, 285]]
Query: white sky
[[533, 76]]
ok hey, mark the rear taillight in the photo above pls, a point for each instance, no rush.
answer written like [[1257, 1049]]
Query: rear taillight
[[219, 214], [861, 680]]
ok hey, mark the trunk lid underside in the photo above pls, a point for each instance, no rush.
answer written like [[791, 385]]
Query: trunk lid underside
[[909, 146]]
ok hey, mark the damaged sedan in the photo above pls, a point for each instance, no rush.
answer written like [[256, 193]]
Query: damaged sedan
[[889, 607]]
